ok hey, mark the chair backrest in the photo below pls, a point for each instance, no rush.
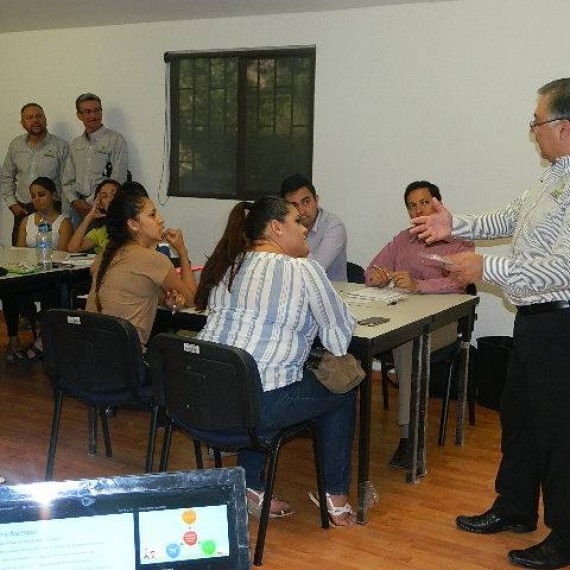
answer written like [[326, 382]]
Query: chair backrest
[[89, 353], [354, 273], [205, 385]]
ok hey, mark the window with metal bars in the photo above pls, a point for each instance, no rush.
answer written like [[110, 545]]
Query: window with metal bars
[[241, 121]]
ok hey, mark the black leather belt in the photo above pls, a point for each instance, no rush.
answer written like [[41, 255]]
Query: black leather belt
[[537, 308]]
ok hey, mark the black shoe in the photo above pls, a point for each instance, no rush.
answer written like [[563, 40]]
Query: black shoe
[[491, 522], [544, 556], [401, 459]]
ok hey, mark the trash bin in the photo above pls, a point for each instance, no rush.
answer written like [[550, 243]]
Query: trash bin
[[492, 361]]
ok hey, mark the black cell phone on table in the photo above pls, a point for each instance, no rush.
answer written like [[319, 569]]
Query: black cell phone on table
[[373, 321]]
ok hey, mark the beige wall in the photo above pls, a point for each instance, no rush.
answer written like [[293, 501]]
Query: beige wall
[[441, 91]]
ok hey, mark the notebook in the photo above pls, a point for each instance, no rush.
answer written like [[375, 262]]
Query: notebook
[[192, 520]]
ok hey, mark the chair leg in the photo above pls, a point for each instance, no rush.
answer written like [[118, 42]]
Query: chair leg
[[385, 397], [151, 439], [198, 454], [325, 523], [58, 402], [92, 430], [265, 508], [471, 394], [445, 405], [106, 436], [217, 457], [471, 412], [165, 454]]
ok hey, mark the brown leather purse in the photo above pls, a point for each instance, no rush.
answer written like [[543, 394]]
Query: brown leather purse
[[338, 373]]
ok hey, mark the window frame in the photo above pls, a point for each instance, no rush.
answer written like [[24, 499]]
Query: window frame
[[173, 59]]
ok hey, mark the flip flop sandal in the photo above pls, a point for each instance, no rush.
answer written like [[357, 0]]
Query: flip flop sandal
[[333, 510], [10, 355], [30, 354], [255, 503]]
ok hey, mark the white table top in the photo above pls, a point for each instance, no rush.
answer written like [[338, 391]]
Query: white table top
[[413, 309], [27, 256]]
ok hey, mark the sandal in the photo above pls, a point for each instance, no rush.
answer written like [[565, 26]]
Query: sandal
[[30, 354], [333, 510], [11, 350], [255, 503]]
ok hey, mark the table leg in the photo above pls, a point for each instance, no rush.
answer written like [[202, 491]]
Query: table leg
[[465, 329], [365, 389], [423, 402], [412, 474], [462, 381]]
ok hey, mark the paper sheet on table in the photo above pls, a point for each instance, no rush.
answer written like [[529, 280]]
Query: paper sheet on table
[[386, 294]]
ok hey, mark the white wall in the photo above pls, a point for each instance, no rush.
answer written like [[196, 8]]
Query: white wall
[[442, 91]]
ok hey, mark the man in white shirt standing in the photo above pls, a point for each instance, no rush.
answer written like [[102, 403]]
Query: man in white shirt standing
[[36, 153], [97, 154], [327, 236]]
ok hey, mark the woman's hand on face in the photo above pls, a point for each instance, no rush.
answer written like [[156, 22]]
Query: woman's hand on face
[[95, 211], [175, 238]]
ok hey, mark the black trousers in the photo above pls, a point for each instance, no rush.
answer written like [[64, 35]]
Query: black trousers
[[535, 418]]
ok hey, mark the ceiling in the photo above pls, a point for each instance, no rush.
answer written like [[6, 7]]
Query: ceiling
[[29, 15]]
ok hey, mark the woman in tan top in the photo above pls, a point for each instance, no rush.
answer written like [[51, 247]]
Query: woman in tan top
[[130, 278]]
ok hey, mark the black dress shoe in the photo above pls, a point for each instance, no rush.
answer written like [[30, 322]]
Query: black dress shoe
[[491, 522], [400, 459], [543, 556]]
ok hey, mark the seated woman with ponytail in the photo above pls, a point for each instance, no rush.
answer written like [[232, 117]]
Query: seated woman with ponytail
[[266, 298], [130, 278]]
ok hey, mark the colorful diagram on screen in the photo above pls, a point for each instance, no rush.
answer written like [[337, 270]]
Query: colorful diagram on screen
[[183, 534]]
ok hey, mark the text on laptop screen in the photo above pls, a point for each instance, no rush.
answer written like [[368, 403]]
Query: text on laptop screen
[[172, 521]]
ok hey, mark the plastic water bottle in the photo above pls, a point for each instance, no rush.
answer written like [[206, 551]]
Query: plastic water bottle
[[44, 245]]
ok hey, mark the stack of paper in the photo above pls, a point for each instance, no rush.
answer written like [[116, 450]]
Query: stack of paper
[[386, 295]]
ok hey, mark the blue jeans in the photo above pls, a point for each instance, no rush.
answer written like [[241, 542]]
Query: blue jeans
[[300, 401]]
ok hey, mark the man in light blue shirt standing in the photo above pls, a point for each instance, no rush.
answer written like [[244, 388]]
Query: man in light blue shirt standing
[[327, 236]]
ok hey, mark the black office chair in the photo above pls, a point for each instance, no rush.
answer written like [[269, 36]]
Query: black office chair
[[96, 359], [448, 357], [211, 391], [354, 272]]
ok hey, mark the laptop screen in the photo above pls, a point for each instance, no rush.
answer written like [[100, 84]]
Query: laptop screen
[[179, 520]]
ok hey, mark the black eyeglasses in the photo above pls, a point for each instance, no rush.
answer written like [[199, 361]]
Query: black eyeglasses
[[533, 124]]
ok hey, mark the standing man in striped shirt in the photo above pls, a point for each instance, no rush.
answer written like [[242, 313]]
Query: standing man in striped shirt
[[535, 406]]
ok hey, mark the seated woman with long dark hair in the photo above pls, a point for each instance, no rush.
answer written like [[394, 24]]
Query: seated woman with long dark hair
[[91, 234], [265, 297], [43, 192], [130, 277]]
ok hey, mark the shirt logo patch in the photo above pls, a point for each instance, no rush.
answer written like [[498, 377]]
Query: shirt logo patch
[[558, 191]]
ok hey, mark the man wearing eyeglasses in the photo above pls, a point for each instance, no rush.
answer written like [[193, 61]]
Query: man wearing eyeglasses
[[535, 405], [401, 263], [97, 154], [327, 236]]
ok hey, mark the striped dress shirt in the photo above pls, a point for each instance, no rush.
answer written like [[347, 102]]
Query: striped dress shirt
[[276, 308], [538, 267]]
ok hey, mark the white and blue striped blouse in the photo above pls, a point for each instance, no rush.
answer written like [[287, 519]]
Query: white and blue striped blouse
[[276, 307], [538, 268]]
